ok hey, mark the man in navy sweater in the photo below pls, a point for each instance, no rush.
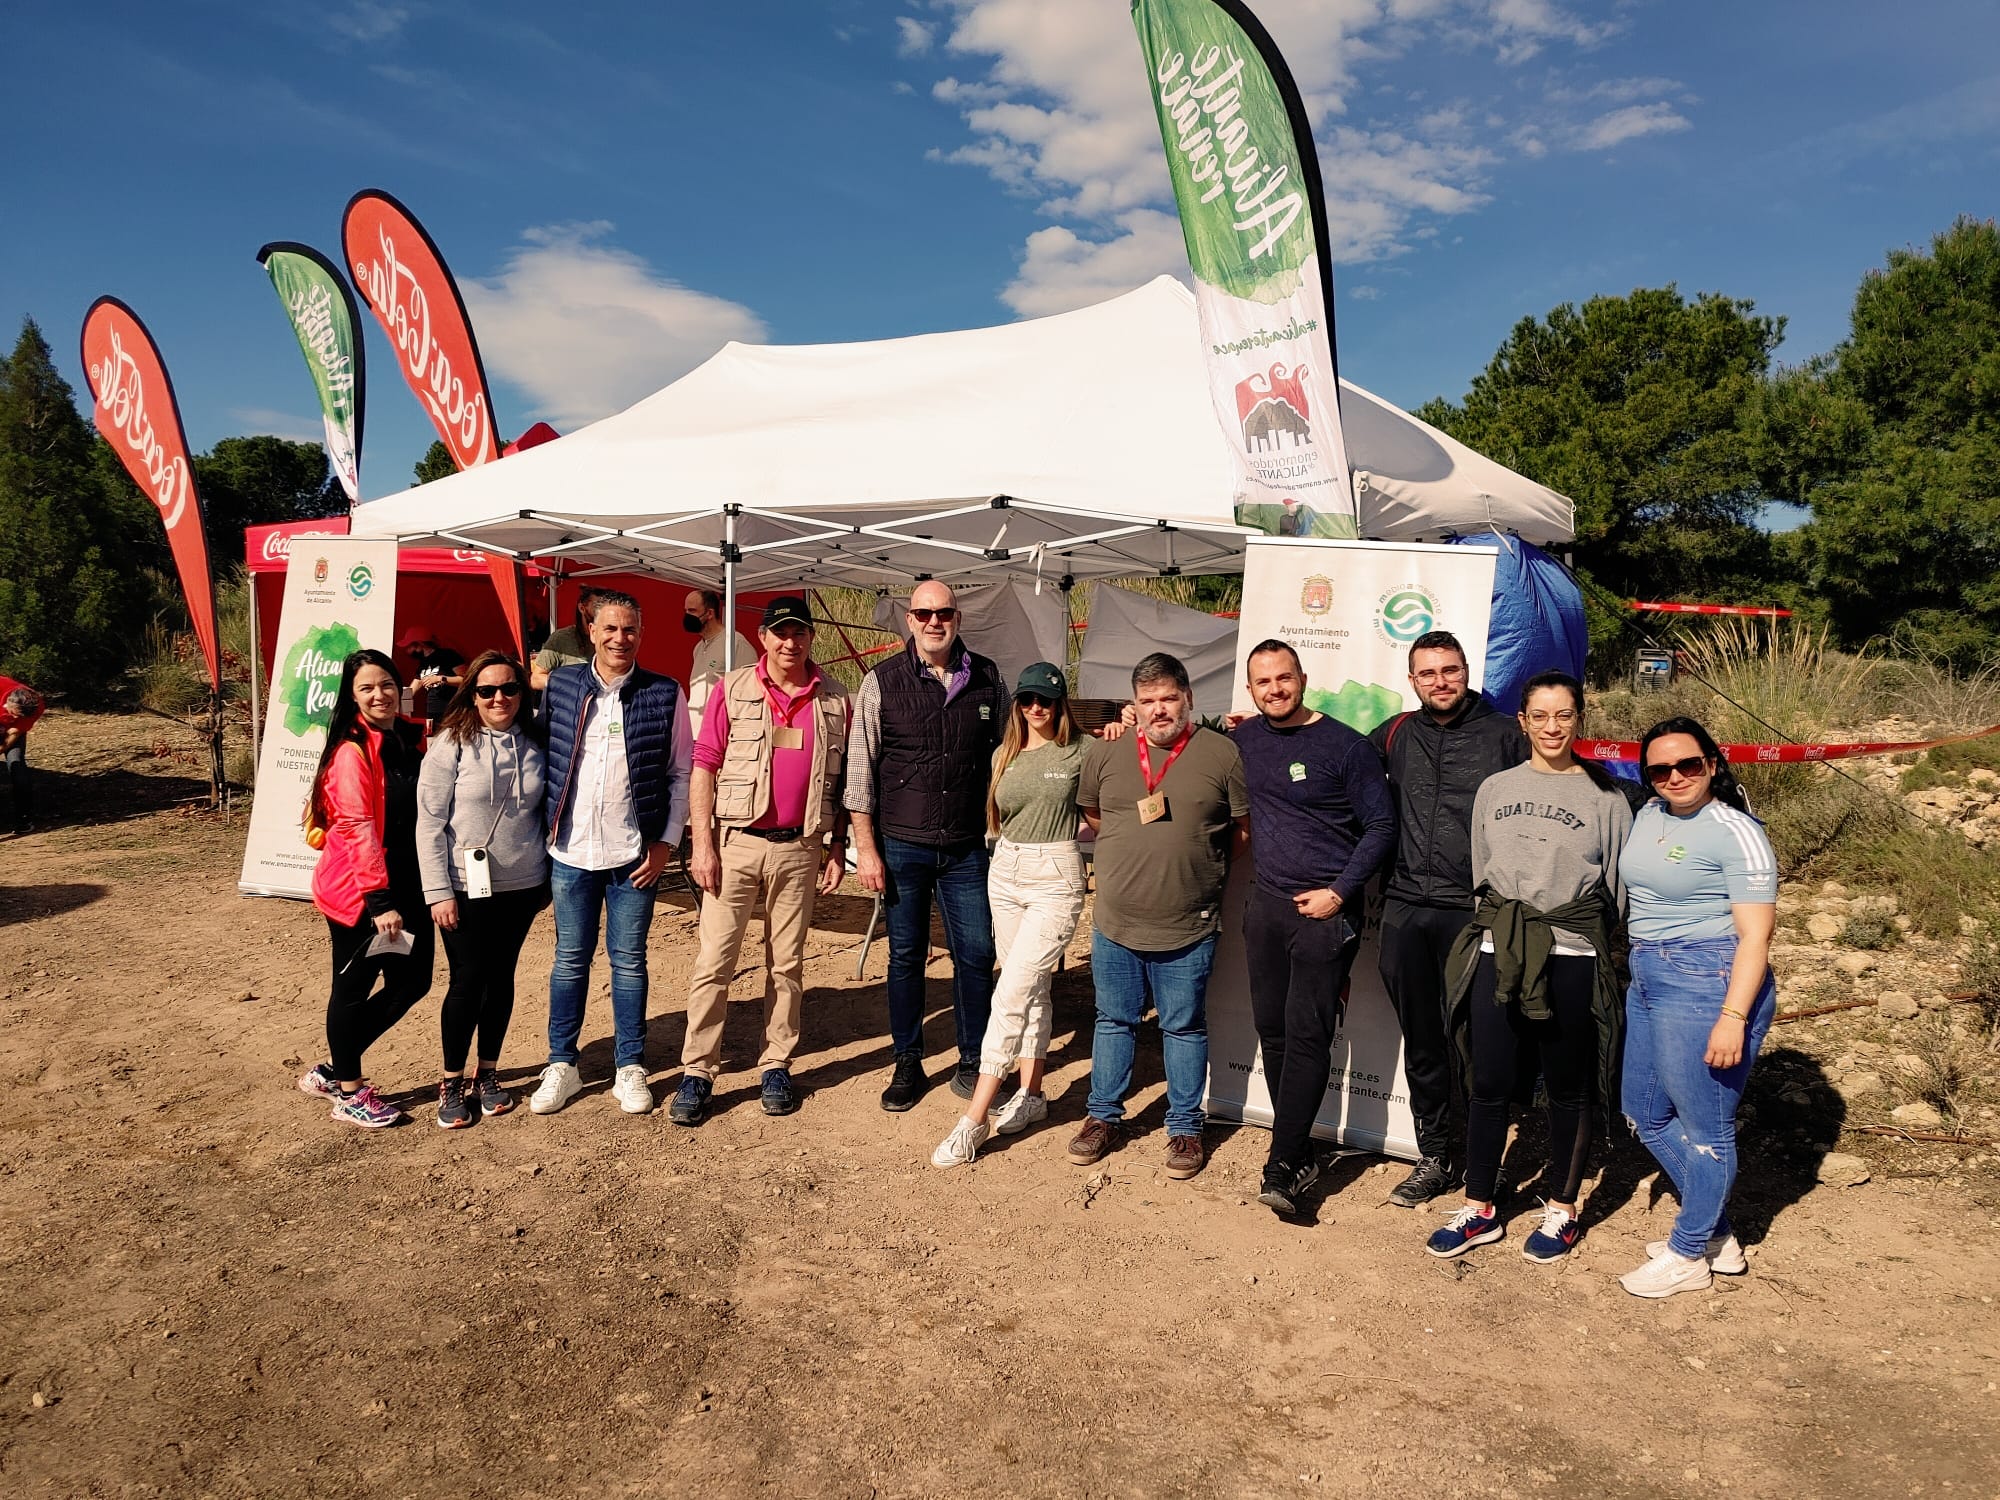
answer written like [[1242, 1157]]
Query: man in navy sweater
[[1321, 824]]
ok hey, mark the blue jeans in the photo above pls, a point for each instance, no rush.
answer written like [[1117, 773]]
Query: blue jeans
[[1177, 981], [1684, 1110], [581, 897], [956, 877]]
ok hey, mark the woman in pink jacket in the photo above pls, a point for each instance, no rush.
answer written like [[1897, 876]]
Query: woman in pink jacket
[[367, 884]]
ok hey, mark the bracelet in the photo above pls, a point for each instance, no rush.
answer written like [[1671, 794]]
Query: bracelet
[[1736, 1015]]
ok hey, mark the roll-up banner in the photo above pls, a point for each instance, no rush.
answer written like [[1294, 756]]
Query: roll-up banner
[[139, 417], [340, 595], [1351, 610], [403, 279], [317, 300], [1246, 179]]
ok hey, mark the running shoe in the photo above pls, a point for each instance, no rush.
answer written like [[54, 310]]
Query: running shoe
[[690, 1106], [961, 1146], [1555, 1238], [1666, 1274], [455, 1110], [1019, 1112], [1432, 1177], [367, 1109], [775, 1092], [1467, 1227], [493, 1099], [1725, 1255], [559, 1085], [319, 1080], [630, 1089], [1284, 1188]]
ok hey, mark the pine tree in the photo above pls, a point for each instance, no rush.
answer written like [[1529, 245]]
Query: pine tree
[[436, 463], [66, 615]]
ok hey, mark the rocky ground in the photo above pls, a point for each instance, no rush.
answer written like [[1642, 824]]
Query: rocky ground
[[208, 1288]]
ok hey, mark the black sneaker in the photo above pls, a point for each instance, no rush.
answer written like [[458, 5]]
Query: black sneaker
[[690, 1106], [1432, 1177], [777, 1094], [965, 1080], [1284, 1188], [493, 1099], [455, 1111], [906, 1085]]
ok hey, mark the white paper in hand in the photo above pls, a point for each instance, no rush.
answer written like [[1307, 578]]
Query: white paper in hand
[[400, 945]]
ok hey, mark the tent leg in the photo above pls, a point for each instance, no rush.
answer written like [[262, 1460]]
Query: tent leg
[[729, 556], [256, 684]]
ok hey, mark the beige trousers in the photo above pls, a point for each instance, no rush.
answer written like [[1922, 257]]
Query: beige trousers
[[783, 878]]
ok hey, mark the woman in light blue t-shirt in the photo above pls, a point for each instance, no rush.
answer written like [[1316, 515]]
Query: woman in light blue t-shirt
[[1701, 886]]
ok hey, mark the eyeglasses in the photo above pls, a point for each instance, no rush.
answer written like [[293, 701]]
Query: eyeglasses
[[487, 690], [1034, 700], [943, 616], [1665, 771], [1562, 717], [1439, 674]]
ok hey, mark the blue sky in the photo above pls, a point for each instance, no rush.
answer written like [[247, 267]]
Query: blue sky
[[622, 187]]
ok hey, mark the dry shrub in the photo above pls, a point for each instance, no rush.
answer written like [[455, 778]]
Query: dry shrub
[[1951, 1071]]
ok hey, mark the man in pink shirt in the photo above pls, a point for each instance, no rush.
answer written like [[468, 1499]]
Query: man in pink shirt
[[769, 826]]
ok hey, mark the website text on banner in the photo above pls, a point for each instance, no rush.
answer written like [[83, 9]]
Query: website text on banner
[[1351, 611], [340, 595], [1246, 180]]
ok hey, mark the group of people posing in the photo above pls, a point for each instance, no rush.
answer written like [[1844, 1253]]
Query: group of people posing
[[1517, 876]]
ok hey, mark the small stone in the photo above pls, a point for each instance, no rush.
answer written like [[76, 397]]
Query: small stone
[[1822, 928], [1839, 1170], [1895, 1005], [1856, 964], [245, 996], [376, 1408], [1861, 1085], [1917, 1115], [38, 1400], [1834, 889], [1934, 1002]]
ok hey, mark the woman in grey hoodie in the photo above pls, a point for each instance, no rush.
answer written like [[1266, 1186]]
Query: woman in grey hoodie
[[485, 867]]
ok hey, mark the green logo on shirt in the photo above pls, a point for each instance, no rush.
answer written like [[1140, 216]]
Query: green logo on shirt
[[1676, 854], [1298, 770]]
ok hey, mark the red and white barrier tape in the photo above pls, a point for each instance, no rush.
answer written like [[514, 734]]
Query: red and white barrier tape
[[1785, 755], [1756, 611]]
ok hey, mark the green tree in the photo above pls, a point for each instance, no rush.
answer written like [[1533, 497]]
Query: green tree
[[1893, 440], [256, 481], [1634, 407], [67, 618], [436, 463]]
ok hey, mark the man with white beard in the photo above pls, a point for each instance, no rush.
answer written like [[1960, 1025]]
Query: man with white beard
[[1169, 808]]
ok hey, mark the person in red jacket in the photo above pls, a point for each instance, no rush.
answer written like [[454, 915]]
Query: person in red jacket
[[367, 883], [20, 707]]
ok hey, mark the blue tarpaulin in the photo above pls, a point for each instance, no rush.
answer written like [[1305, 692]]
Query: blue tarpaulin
[[1537, 622]]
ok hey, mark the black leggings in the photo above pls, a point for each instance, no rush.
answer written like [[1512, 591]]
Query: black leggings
[[483, 953], [1505, 1046], [357, 1019]]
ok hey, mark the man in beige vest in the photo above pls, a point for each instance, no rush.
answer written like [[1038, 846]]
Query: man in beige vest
[[769, 826]]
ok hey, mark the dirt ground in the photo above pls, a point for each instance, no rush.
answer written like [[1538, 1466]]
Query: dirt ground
[[207, 1287]]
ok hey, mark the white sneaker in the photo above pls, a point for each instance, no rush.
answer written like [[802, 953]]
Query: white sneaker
[[1725, 1256], [630, 1089], [958, 1148], [1665, 1274], [559, 1085], [1019, 1112]]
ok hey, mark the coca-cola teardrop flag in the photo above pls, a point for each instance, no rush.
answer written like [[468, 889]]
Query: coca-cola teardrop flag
[[400, 275], [323, 316], [1246, 178], [139, 417]]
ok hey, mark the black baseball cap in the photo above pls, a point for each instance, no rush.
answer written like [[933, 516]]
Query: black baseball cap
[[787, 609], [1042, 679]]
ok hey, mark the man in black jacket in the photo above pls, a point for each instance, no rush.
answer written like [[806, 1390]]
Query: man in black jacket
[[1436, 757], [926, 723]]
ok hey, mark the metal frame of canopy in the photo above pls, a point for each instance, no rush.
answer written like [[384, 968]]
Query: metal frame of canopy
[[818, 547]]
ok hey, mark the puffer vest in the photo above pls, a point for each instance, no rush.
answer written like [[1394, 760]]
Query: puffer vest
[[936, 757], [649, 701], [743, 780]]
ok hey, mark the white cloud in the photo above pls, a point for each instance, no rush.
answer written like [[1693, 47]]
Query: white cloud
[[1630, 123], [1365, 293], [586, 329], [291, 426], [1524, 27], [1062, 270], [368, 21], [913, 37]]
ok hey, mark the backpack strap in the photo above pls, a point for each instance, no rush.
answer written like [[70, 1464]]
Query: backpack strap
[[1395, 724]]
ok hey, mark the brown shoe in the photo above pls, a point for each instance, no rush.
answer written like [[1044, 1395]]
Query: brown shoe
[[1184, 1156], [1093, 1141]]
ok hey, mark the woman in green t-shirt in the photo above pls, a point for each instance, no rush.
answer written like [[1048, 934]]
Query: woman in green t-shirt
[[1035, 888]]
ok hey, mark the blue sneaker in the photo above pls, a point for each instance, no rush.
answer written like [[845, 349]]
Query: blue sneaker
[[1467, 1227], [1555, 1238], [777, 1094], [690, 1106]]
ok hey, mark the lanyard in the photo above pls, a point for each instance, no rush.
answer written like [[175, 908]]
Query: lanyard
[[790, 711], [1146, 761]]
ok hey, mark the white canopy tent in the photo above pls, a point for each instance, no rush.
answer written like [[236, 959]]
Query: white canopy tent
[[1078, 445]]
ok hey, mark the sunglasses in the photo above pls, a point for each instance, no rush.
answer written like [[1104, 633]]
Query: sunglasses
[[1691, 767], [943, 616], [1034, 700], [487, 690]]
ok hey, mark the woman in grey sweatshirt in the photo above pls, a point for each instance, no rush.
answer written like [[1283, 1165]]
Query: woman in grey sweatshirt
[[1540, 992], [485, 865]]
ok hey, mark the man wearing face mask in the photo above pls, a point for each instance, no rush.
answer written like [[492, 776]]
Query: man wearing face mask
[[701, 616], [1436, 757]]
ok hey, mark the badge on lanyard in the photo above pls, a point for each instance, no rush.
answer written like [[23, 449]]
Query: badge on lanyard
[[1153, 806], [787, 737]]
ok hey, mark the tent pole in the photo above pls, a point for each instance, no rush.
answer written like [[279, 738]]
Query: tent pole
[[256, 673], [730, 554]]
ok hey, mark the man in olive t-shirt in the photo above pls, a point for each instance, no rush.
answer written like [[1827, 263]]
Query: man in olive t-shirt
[[1169, 805]]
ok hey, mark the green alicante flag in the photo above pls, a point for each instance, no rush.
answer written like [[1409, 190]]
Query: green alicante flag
[[321, 307], [1246, 179]]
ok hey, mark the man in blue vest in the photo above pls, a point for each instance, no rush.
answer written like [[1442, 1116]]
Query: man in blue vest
[[926, 723], [618, 762]]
